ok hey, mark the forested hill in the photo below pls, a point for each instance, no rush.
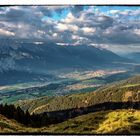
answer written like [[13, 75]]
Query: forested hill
[[122, 122], [123, 91]]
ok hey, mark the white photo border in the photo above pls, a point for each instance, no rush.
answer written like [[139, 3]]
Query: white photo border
[[69, 2]]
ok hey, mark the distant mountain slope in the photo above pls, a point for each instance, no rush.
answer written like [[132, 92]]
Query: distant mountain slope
[[134, 56], [14, 77], [42, 57], [103, 122], [37, 58], [123, 91]]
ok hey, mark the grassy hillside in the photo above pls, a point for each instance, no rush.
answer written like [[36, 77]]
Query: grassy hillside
[[120, 121], [126, 90], [103, 122], [12, 126]]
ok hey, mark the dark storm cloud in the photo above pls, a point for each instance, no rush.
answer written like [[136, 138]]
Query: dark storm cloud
[[75, 10], [50, 10]]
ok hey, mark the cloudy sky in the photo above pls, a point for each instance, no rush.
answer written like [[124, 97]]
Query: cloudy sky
[[116, 28]]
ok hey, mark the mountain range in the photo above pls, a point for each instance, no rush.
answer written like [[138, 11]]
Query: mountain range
[[135, 56], [21, 59]]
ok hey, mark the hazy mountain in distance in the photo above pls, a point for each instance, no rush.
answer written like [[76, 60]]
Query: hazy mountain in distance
[[14, 77], [40, 58], [135, 56]]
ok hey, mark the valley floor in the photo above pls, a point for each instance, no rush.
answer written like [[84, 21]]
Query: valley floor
[[123, 122]]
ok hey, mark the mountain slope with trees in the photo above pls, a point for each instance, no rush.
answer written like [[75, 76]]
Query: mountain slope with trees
[[122, 91], [124, 122], [113, 109]]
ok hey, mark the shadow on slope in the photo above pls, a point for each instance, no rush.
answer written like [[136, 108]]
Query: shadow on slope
[[54, 117]]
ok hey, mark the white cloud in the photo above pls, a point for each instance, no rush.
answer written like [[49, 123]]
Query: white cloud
[[113, 11], [6, 33], [40, 32], [75, 37], [70, 18], [137, 32], [38, 43], [63, 27], [88, 30], [55, 35], [73, 28], [108, 31]]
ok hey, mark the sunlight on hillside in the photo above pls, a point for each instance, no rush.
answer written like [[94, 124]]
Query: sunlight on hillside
[[104, 122]]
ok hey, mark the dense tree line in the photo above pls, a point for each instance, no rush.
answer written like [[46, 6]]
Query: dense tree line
[[11, 112], [44, 119]]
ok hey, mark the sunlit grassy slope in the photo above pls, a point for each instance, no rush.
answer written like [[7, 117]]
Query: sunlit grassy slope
[[103, 122]]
